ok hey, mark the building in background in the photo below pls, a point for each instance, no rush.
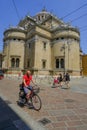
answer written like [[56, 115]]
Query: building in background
[[43, 44], [0, 60], [84, 65]]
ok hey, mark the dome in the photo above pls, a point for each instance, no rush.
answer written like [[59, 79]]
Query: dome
[[42, 15]]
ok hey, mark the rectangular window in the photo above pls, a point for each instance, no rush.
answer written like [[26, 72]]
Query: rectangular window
[[17, 62], [13, 62], [28, 63], [44, 45], [44, 64], [57, 63], [62, 63]]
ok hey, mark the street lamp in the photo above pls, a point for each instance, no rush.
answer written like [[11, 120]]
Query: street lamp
[[63, 48], [68, 45]]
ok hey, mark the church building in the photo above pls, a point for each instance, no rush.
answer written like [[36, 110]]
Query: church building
[[43, 44]]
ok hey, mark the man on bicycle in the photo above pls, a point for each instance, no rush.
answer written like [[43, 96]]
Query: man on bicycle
[[27, 79]]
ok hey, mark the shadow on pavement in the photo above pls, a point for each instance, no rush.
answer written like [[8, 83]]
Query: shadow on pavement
[[9, 120]]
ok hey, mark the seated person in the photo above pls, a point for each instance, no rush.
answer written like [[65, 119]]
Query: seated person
[[56, 81]]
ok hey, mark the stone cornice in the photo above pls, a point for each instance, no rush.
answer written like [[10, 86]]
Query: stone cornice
[[34, 32], [11, 37], [25, 19], [41, 34], [15, 29], [57, 29], [66, 28], [38, 33], [45, 28], [53, 18], [31, 18]]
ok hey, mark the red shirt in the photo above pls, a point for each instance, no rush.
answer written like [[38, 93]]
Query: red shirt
[[27, 79], [55, 81]]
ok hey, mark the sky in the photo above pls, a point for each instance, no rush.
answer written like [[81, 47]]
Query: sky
[[12, 11]]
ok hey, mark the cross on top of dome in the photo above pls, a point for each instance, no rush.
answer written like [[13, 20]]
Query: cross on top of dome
[[44, 9]]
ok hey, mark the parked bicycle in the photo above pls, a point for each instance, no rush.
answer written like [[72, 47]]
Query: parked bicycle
[[34, 99]]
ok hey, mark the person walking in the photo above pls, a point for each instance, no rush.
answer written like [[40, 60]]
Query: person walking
[[67, 80], [60, 79]]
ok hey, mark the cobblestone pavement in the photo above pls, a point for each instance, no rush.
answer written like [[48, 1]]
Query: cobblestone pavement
[[62, 109]]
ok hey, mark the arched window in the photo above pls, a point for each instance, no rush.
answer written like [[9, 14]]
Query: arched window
[[13, 62], [17, 62], [62, 63], [57, 63]]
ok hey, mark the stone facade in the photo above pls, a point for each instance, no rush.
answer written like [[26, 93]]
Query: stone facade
[[0, 60], [44, 44], [84, 65]]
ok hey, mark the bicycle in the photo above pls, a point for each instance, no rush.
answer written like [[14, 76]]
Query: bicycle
[[34, 98], [65, 84]]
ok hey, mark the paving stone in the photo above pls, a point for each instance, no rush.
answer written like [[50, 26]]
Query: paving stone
[[65, 108], [74, 123], [59, 124]]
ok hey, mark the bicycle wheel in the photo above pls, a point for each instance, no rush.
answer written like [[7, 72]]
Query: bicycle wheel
[[36, 102]]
